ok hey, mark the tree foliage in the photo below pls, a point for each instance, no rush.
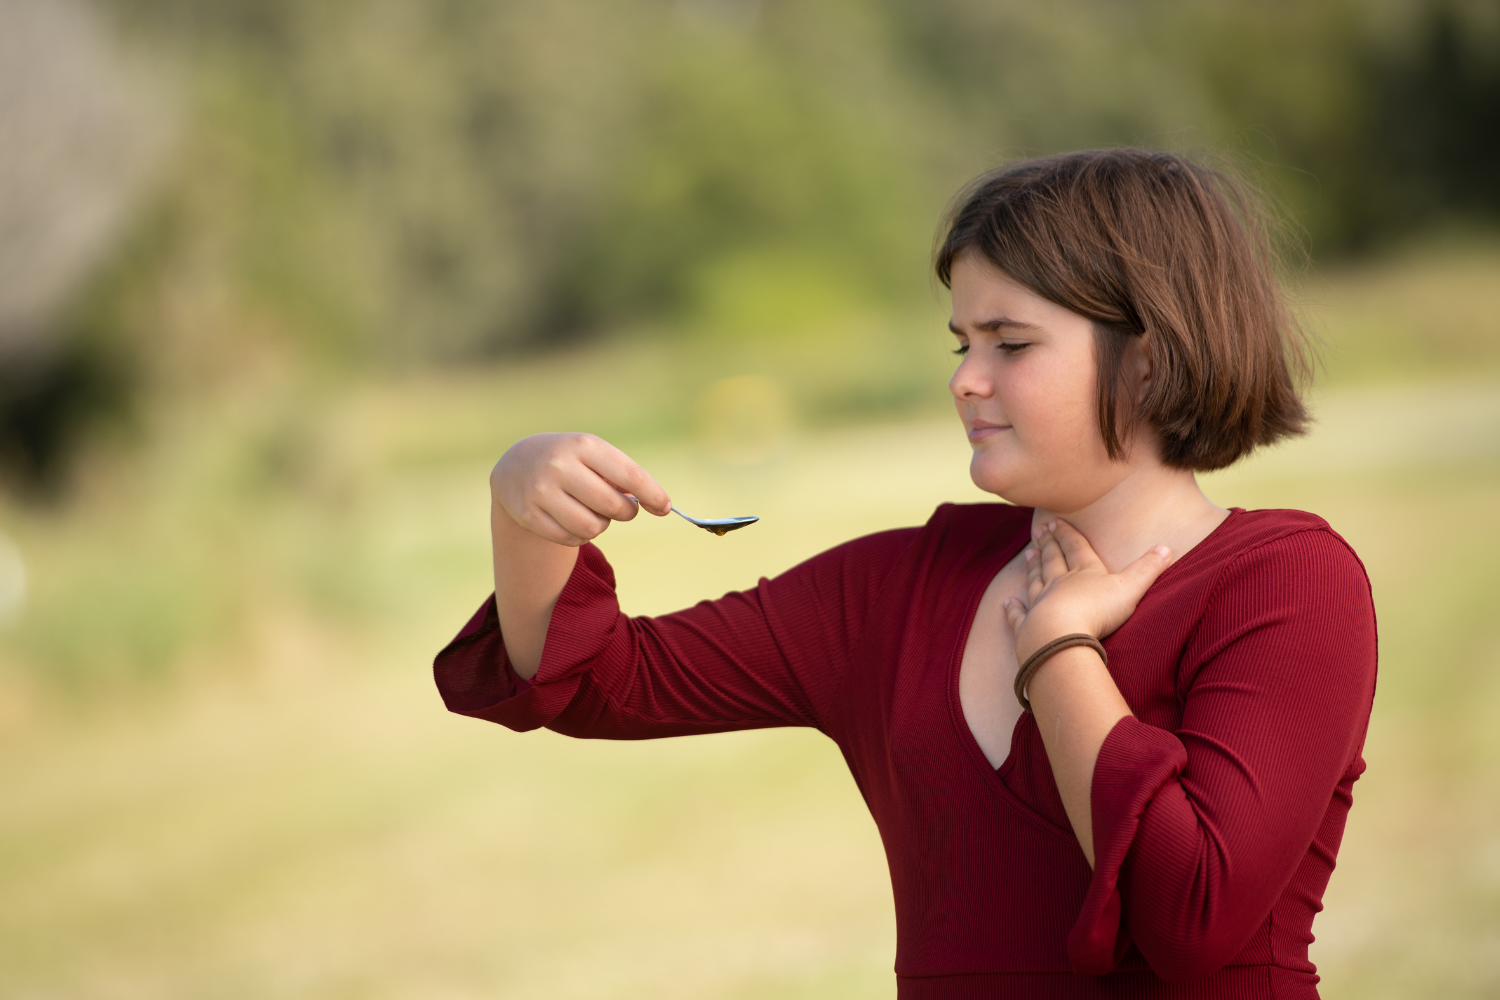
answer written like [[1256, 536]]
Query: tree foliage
[[508, 172], [393, 182]]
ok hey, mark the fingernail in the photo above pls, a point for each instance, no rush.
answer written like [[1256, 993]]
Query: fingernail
[[1162, 551]]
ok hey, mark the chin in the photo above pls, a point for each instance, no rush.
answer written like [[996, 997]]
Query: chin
[[1013, 483], [1001, 479]]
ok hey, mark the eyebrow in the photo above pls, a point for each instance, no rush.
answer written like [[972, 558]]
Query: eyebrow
[[991, 325]]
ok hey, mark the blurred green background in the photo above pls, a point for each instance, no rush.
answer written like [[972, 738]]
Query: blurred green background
[[280, 280]]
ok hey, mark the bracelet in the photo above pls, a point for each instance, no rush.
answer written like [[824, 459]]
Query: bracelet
[[1037, 660]]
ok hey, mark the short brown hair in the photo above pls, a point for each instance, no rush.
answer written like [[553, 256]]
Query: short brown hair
[[1149, 244]]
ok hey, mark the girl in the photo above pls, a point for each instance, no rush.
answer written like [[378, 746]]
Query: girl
[[1108, 730]]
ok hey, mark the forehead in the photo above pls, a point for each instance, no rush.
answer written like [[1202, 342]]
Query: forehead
[[985, 297]]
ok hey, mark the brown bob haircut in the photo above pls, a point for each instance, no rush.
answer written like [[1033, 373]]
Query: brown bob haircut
[[1148, 244]]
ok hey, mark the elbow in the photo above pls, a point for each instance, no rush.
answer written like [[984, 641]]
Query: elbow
[[1187, 959], [1185, 970]]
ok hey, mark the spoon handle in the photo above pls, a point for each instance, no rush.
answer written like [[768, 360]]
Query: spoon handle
[[637, 502]]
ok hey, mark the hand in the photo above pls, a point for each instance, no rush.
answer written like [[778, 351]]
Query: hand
[[568, 487], [1069, 589]]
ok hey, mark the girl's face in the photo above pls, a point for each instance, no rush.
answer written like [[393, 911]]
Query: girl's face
[[1025, 391]]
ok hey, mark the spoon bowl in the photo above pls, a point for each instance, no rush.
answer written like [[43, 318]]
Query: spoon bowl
[[716, 525]]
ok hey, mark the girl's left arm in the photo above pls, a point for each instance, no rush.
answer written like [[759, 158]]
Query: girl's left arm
[[1073, 697], [1195, 833]]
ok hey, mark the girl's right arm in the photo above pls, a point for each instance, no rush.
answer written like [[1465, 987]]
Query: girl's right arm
[[549, 494]]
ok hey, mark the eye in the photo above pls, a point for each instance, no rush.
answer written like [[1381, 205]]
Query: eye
[[1013, 348], [961, 349]]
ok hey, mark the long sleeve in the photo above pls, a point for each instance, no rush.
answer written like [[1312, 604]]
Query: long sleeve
[[768, 656], [1197, 832]]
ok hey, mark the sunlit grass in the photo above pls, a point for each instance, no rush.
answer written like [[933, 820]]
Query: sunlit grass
[[1427, 311]]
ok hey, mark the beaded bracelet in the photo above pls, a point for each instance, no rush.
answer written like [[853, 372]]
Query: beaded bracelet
[[1035, 661]]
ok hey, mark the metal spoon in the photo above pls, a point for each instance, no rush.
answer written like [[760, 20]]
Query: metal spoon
[[718, 525]]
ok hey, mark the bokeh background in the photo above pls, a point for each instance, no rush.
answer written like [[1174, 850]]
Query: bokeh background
[[280, 279]]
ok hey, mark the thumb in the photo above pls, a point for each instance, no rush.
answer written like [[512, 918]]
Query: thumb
[[1141, 574]]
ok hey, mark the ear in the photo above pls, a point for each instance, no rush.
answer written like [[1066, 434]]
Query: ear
[[1138, 364]]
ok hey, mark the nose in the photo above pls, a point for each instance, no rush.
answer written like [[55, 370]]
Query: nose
[[969, 382]]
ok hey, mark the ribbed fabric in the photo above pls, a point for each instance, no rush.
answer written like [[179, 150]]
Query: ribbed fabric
[[1218, 807]]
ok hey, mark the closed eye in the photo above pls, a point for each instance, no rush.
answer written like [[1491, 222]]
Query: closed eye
[[1013, 348]]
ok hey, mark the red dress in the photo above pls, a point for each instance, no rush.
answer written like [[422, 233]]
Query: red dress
[[1217, 809]]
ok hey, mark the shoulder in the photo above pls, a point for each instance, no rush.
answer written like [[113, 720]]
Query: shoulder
[[1289, 604], [854, 570], [952, 536], [1260, 567], [979, 517], [1280, 542], [876, 552], [973, 529], [1287, 564], [960, 527]]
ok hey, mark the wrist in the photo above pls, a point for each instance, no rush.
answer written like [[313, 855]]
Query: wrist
[[1039, 629], [1035, 664]]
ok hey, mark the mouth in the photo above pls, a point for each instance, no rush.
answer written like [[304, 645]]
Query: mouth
[[983, 430]]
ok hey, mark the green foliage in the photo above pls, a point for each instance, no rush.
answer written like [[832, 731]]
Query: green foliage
[[454, 178], [500, 174]]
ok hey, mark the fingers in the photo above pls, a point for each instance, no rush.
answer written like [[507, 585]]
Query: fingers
[[577, 519], [598, 495], [1069, 586], [1015, 613], [1053, 563], [620, 471], [568, 487], [1075, 548], [1034, 583], [539, 522]]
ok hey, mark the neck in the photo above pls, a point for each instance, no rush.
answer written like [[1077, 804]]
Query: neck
[[1154, 504]]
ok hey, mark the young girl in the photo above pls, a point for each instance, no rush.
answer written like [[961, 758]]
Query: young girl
[[1108, 730]]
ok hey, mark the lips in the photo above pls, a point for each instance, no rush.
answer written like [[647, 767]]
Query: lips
[[980, 430]]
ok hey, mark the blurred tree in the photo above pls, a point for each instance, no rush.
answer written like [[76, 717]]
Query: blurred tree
[[1435, 133], [505, 173], [511, 172], [79, 135], [393, 181]]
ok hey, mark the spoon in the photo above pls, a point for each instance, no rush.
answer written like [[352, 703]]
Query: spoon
[[717, 525]]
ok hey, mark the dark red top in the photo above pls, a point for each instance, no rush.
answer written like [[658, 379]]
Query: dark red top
[[1217, 809]]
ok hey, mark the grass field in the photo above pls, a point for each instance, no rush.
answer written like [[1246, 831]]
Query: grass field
[[291, 813]]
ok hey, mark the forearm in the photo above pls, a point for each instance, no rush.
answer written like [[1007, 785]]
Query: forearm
[[530, 573], [1071, 592], [1076, 704]]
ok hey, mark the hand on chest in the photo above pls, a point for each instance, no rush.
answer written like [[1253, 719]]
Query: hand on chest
[[988, 667]]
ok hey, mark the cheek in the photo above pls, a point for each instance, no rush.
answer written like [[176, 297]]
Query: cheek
[[1052, 410], [1055, 449]]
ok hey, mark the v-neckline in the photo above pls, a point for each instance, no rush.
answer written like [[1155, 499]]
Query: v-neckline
[[985, 574]]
